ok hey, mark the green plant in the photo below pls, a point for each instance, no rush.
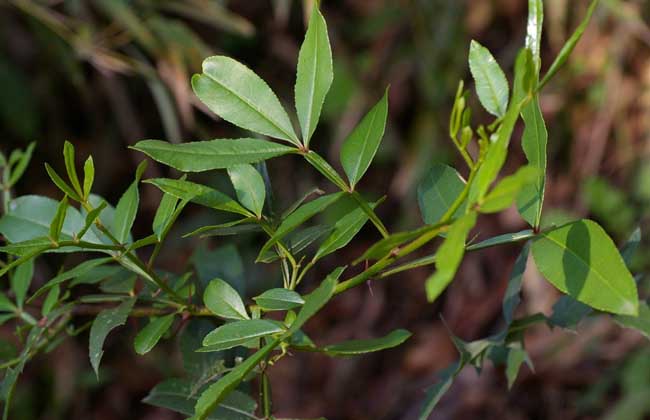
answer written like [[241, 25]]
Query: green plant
[[578, 258]]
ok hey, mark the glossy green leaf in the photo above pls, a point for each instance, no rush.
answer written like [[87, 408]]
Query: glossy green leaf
[[239, 96], [235, 227], [449, 256], [315, 74], [199, 194], [224, 301], [127, 208], [278, 300], [356, 347], [298, 217], [236, 333], [581, 260], [217, 392], [104, 323], [534, 140], [91, 218], [437, 192], [316, 300], [149, 336], [381, 248], [325, 169], [163, 215], [249, 187], [491, 83], [19, 168], [360, 146], [177, 395], [51, 300], [61, 184], [345, 229], [505, 192], [534, 27], [68, 157], [202, 156], [21, 280], [89, 176], [59, 217], [568, 47]]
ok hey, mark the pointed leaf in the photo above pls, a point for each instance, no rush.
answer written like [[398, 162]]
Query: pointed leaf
[[127, 208], [104, 323], [19, 169], [89, 176], [202, 156], [315, 74], [238, 95], [581, 260], [233, 334], [278, 300], [163, 214], [68, 157], [504, 193], [360, 146], [316, 300], [59, 182], [491, 83], [249, 187], [356, 347], [511, 299], [149, 336], [224, 301], [438, 191], [57, 222], [21, 281]]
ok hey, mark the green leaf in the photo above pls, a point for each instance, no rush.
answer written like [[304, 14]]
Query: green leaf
[[177, 395], [163, 215], [534, 29], [631, 246], [57, 222], [5, 304], [127, 208], [91, 218], [217, 392], [356, 347], [315, 74], [568, 47], [235, 227], [449, 256], [511, 299], [202, 156], [59, 182], [199, 194], [224, 301], [21, 280], [581, 260], [345, 229], [51, 300], [516, 357], [233, 334], [278, 300], [298, 217], [239, 96], [506, 238], [360, 146], [641, 322], [19, 169], [316, 300], [104, 323], [89, 176], [325, 169], [149, 336], [249, 187], [381, 248], [68, 157], [504, 193], [568, 312], [534, 139], [491, 83], [437, 192], [437, 390]]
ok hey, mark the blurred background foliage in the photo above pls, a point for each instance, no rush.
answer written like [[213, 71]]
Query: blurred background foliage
[[107, 73]]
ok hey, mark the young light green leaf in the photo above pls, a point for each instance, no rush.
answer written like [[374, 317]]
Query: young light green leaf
[[566, 50], [534, 139], [534, 29], [59, 182], [356, 347], [504, 193], [217, 392], [104, 323], [316, 300], [224, 301], [325, 169], [21, 281], [233, 334], [68, 157], [581, 260], [315, 74], [202, 156], [383, 247], [516, 357], [57, 222], [239, 96], [127, 207], [163, 214], [178, 395], [278, 300], [449, 256], [360, 146], [438, 191], [149, 336], [51, 300], [491, 83], [249, 187], [298, 217], [89, 176], [199, 194], [91, 218], [19, 168]]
